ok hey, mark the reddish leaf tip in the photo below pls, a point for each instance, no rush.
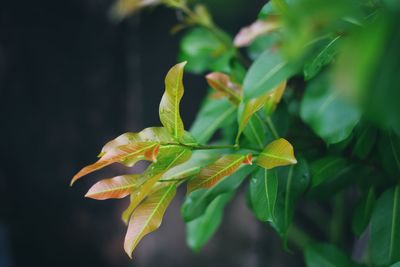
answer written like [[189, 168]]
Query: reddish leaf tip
[[248, 159]]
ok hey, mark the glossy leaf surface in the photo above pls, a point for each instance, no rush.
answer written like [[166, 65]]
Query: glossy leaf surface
[[326, 255], [225, 87], [277, 153], [169, 107], [117, 187], [147, 217]]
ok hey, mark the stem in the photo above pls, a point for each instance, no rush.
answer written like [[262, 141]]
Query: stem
[[272, 128], [298, 237], [336, 227]]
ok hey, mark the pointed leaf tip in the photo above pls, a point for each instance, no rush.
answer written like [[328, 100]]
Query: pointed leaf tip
[[277, 153], [248, 159]]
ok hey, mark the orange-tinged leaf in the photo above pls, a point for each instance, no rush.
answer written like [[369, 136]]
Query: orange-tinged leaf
[[169, 105], [131, 152], [148, 217], [116, 187], [124, 8], [214, 172], [224, 87], [248, 34], [274, 99], [247, 110], [277, 153]]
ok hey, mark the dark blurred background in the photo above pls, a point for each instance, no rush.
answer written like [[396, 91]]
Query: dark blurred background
[[70, 80]]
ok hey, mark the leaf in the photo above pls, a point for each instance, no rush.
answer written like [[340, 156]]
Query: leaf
[[213, 115], [263, 191], [214, 172], [326, 255], [324, 56], [248, 109], [197, 202], [385, 228], [169, 106], [255, 132], [265, 74], [365, 135], [169, 157], [292, 183], [323, 169], [117, 187], [396, 264], [326, 110], [131, 152], [147, 217], [249, 33], [389, 153], [155, 134], [200, 230], [124, 8], [224, 86], [362, 213], [274, 98], [276, 153], [206, 51]]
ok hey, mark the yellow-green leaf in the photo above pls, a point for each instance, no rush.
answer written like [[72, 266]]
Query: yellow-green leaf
[[224, 87], [169, 106], [147, 217], [248, 109], [276, 153], [214, 172], [116, 187], [131, 152]]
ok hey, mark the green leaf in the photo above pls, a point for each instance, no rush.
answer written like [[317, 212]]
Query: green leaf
[[255, 132], [326, 255], [169, 106], [397, 264], [265, 74], [326, 110], [263, 191], [205, 51], [324, 168], [197, 202], [389, 153], [362, 213], [213, 115], [200, 230], [323, 57], [147, 217], [385, 228], [214, 172], [365, 135], [292, 183], [277, 153], [267, 10]]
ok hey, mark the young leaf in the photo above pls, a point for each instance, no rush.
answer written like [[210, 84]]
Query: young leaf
[[276, 153], [124, 8], [213, 115], [213, 173], [263, 191], [137, 196], [147, 217], [197, 202], [326, 255], [117, 187], [200, 230], [385, 228], [225, 87], [327, 112], [131, 152], [248, 109], [362, 213], [169, 106], [265, 74], [248, 34]]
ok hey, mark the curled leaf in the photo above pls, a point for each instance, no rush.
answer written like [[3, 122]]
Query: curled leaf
[[124, 8], [147, 217], [131, 153], [247, 34], [213, 173], [276, 153], [117, 187], [224, 87], [169, 106]]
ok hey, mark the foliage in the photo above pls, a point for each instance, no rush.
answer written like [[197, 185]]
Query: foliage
[[343, 122]]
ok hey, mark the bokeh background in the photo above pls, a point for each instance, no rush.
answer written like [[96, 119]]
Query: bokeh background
[[70, 80]]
